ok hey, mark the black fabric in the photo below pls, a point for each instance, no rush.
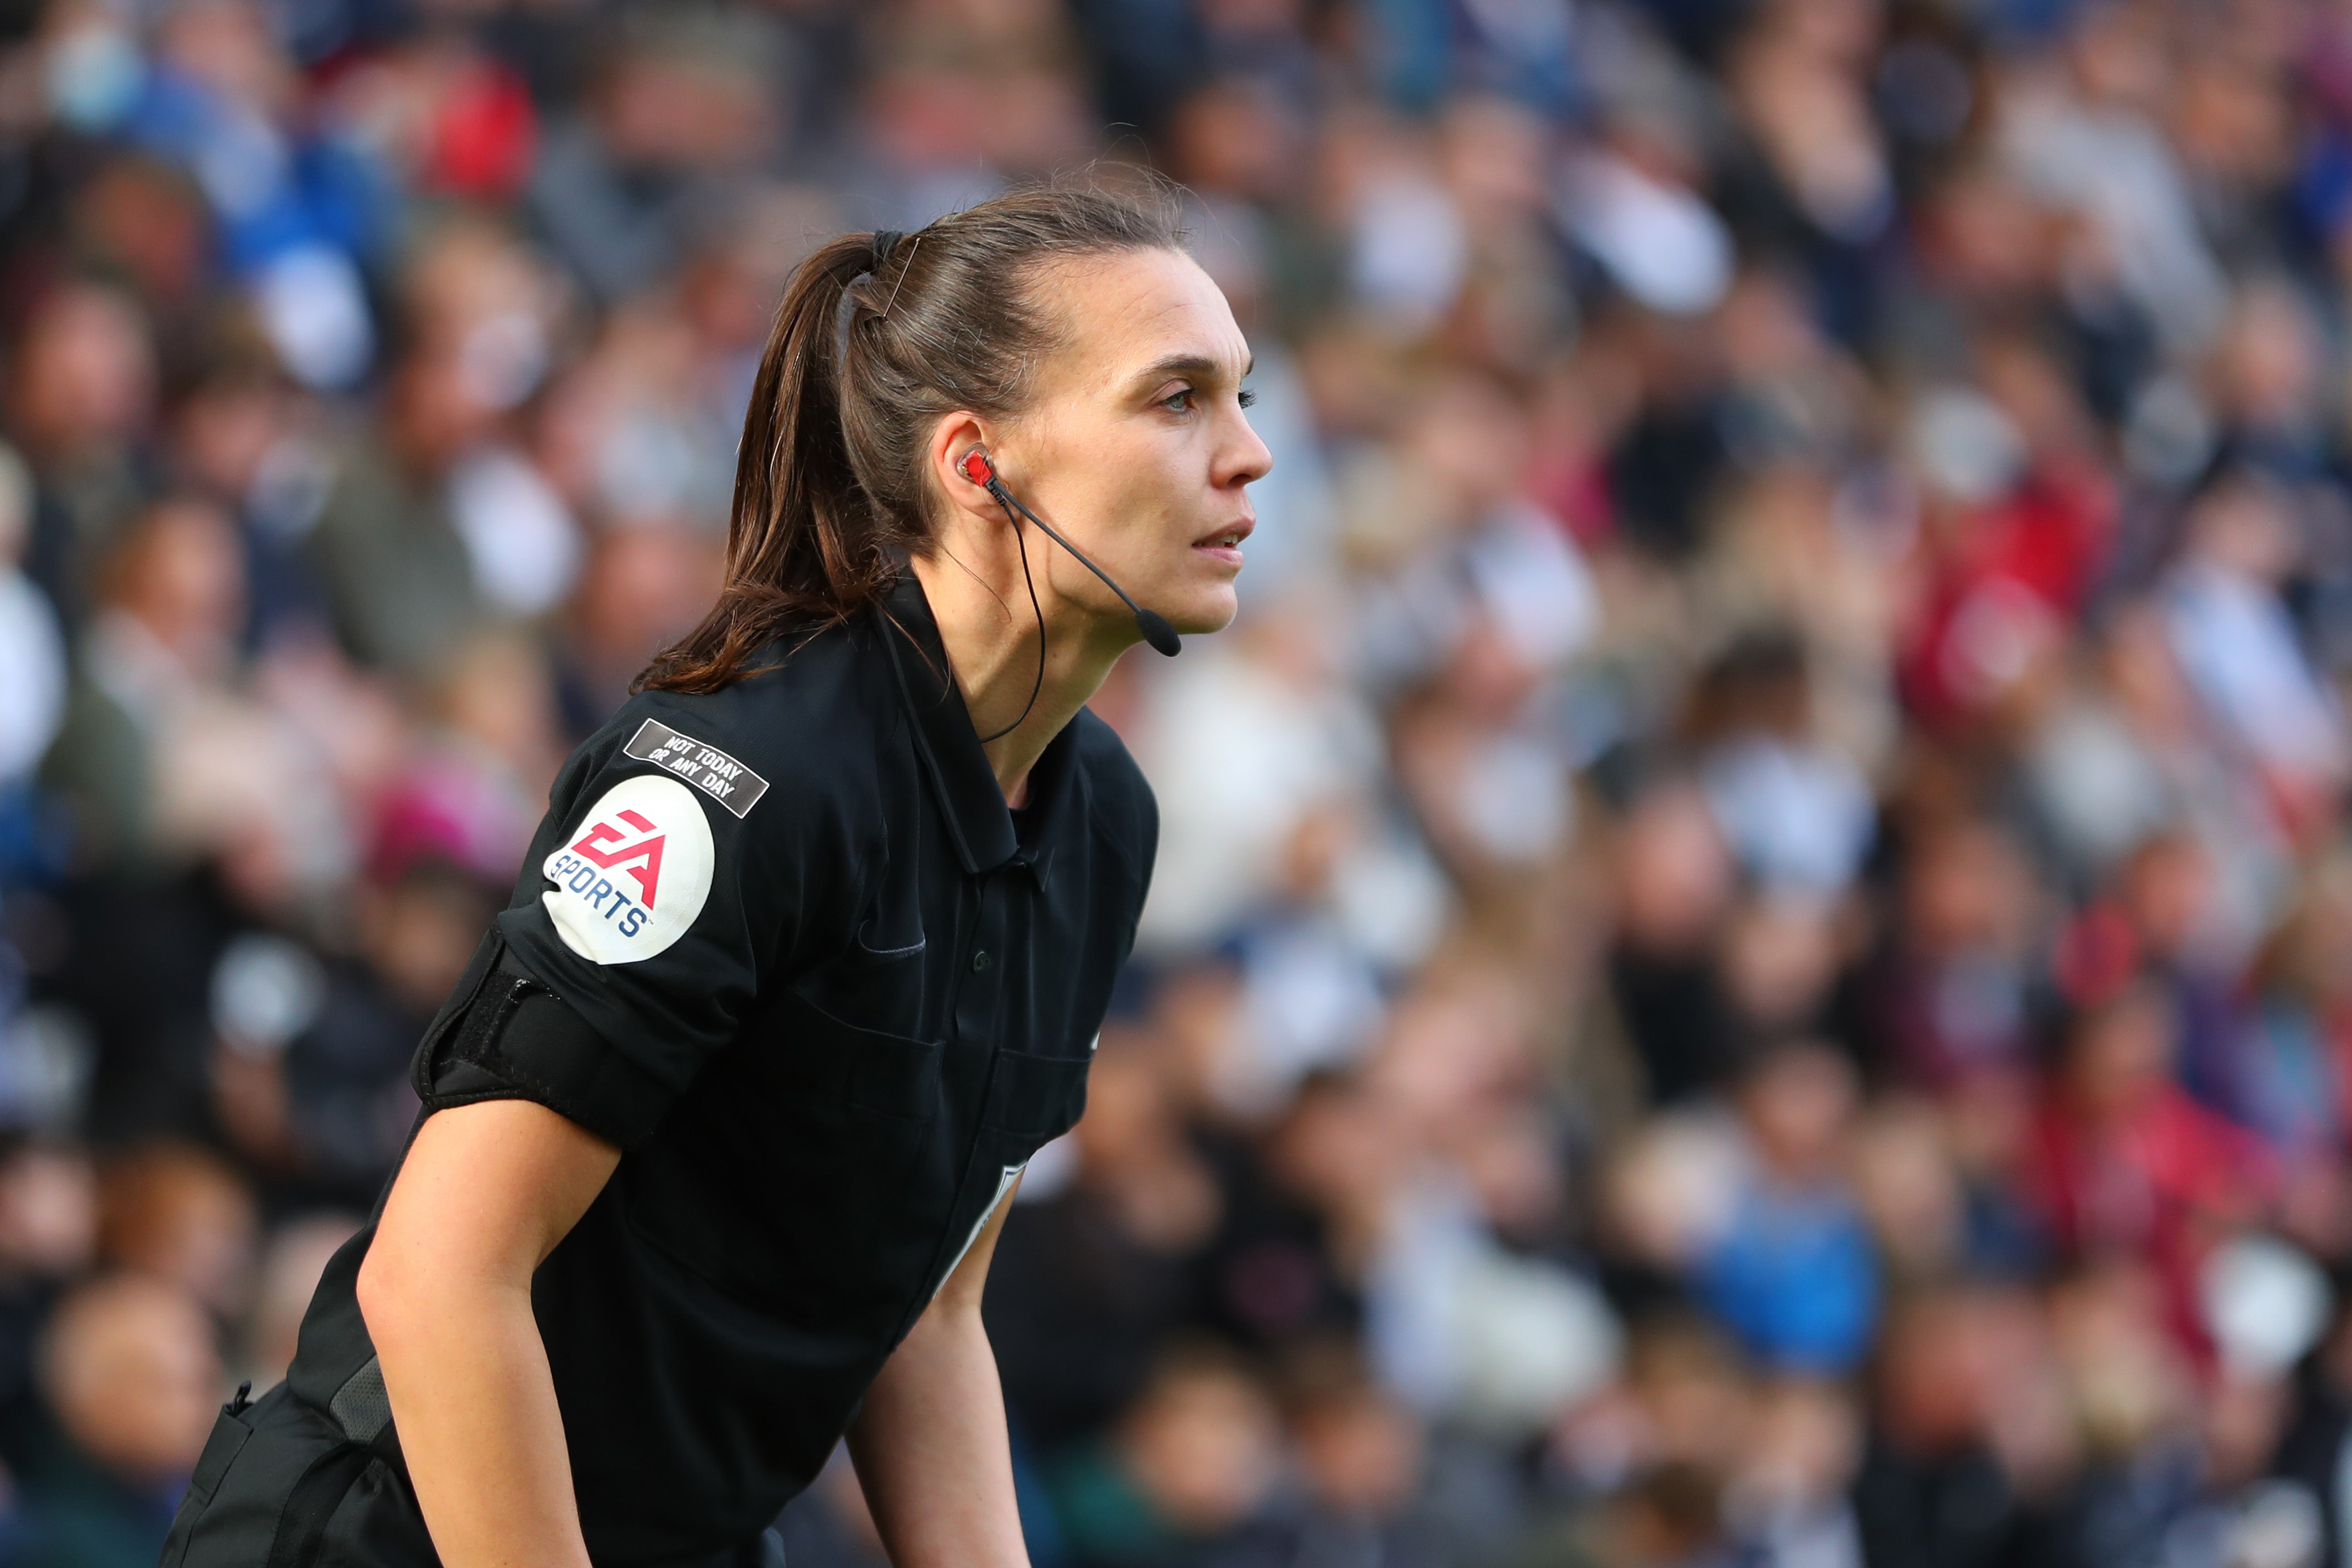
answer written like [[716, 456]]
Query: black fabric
[[837, 1056], [303, 1529], [517, 1039], [278, 1486], [281, 1486]]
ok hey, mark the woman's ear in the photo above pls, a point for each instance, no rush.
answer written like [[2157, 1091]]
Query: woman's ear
[[951, 438]]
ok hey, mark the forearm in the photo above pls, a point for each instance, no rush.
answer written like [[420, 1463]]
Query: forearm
[[475, 1405], [931, 1450]]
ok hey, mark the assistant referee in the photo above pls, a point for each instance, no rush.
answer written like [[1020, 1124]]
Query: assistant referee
[[807, 958]]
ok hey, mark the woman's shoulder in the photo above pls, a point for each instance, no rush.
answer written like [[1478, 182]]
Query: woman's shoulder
[[1120, 796], [806, 720]]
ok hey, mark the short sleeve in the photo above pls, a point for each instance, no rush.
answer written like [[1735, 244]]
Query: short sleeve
[[508, 1037], [682, 860]]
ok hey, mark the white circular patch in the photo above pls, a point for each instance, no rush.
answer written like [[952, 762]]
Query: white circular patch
[[633, 876]]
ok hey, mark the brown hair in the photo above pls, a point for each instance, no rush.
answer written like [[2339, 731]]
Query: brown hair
[[829, 477]]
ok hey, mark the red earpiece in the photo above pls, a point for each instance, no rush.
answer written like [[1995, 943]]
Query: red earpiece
[[974, 465]]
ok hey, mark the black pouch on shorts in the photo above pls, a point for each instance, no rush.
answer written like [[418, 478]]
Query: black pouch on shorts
[[280, 1485]]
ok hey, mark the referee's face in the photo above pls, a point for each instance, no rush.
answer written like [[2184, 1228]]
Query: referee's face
[[1137, 446]]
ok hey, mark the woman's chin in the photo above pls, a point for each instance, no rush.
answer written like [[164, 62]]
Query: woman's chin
[[1204, 610]]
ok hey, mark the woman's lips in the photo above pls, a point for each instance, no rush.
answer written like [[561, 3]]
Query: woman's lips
[[1226, 546]]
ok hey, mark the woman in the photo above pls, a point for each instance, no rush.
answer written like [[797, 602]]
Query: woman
[[805, 960]]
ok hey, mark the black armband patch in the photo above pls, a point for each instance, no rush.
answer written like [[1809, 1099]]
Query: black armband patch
[[517, 1039]]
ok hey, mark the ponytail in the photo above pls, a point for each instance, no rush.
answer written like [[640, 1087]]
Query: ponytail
[[877, 337], [803, 548]]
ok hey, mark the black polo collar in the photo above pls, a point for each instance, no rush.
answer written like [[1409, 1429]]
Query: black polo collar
[[977, 817]]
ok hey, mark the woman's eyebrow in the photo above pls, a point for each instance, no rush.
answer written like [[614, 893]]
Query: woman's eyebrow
[[1186, 364]]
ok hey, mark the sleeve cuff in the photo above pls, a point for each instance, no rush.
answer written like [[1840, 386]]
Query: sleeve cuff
[[517, 1039]]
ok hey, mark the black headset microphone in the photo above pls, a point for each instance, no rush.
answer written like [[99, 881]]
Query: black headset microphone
[[974, 465]]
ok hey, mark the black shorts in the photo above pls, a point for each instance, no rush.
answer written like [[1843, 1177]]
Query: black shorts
[[281, 1484]]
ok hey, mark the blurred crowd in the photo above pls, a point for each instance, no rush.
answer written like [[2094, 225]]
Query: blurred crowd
[[1751, 960]]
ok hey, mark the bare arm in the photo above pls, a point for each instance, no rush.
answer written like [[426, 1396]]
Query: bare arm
[[930, 1441], [484, 1194]]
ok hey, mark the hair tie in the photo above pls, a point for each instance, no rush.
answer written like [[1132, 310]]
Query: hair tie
[[882, 252]]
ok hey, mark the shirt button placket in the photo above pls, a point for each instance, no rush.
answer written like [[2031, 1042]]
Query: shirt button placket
[[976, 1006]]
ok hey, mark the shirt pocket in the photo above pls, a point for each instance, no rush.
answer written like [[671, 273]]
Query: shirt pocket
[[877, 984], [791, 1175]]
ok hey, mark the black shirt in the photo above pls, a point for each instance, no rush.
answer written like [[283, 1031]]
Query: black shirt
[[832, 1002]]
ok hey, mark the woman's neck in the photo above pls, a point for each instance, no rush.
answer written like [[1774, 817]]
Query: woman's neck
[[989, 634]]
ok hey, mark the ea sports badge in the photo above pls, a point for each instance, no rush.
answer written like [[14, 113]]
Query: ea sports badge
[[633, 876]]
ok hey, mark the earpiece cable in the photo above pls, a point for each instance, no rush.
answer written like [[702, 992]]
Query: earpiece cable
[[1021, 541]]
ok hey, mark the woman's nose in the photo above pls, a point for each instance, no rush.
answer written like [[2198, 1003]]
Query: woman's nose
[[1246, 457]]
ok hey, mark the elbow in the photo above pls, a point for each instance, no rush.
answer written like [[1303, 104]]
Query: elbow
[[381, 1292], [396, 1293], [411, 1297]]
